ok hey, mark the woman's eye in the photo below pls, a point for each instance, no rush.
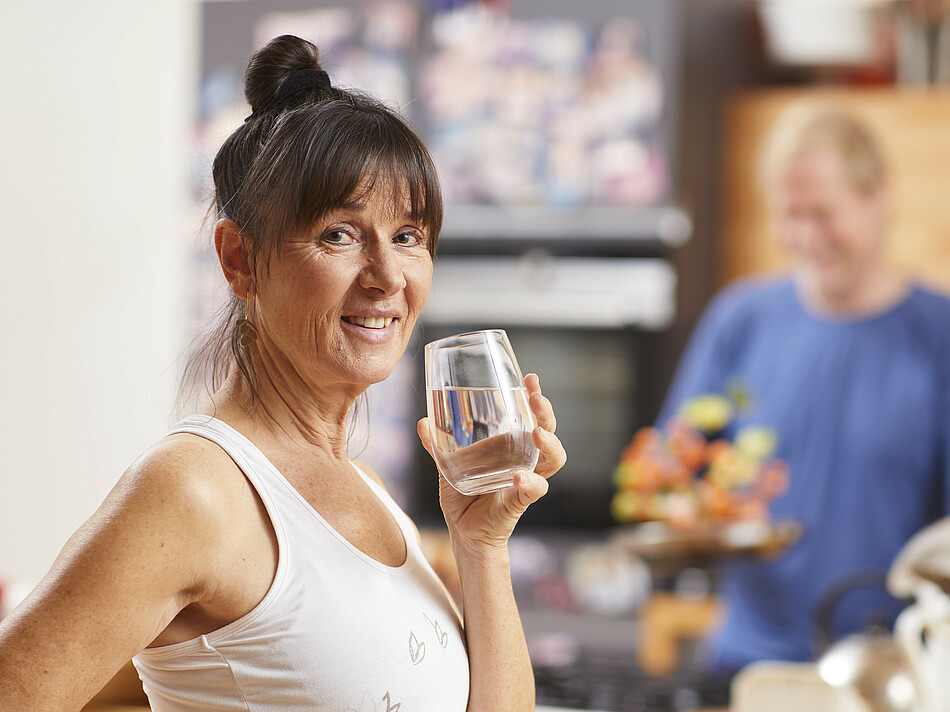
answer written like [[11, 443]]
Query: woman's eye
[[336, 237], [408, 238]]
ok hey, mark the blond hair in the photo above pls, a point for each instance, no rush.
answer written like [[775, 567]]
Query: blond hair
[[811, 124]]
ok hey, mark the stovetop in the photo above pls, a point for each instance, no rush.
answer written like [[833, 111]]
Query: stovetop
[[603, 681]]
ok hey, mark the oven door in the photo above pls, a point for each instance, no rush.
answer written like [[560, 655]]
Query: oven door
[[588, 327]]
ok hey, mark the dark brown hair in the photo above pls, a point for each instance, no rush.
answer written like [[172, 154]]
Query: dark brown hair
[[293, 161]]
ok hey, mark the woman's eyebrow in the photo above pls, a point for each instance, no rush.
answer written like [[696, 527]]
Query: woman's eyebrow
[[358, 204], [355, 205]]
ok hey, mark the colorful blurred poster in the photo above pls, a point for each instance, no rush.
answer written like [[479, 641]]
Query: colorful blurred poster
[[548, 112]]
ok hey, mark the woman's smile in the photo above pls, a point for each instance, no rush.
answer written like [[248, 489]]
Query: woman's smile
[[371, 329], [369, 322]]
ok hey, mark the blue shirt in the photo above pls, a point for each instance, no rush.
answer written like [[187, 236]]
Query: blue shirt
[[861, 411]]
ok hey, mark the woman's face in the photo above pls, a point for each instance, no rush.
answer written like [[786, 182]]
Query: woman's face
[[336, 305], [833, 231]]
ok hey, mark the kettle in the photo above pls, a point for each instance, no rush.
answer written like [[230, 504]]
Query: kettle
[[922, 630], [906, 672], [870, 662]]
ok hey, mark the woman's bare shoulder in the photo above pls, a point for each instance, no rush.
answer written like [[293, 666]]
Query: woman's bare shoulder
[[179, 500], [183, 470], [159, 542]]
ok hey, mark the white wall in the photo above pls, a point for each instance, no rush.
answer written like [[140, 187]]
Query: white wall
[[95, 107]]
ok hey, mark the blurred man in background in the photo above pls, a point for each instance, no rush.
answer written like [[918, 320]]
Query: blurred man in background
[[849, 362]]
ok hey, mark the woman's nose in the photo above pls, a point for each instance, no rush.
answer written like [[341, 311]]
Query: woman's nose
[[383, 270]]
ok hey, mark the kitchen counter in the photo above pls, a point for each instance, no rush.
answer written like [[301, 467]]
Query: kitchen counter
[[127, 708], [124, 692], [137, 708]]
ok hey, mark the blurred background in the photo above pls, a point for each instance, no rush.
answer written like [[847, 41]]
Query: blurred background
[[598, 160]]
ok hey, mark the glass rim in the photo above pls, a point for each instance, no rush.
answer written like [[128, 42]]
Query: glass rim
[[443, 343]]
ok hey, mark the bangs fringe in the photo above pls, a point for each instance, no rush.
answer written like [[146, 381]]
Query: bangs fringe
[[370, 148]]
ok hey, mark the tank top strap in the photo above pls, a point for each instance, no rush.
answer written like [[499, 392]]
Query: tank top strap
[[274, 489], [256, 467], [406, 526]]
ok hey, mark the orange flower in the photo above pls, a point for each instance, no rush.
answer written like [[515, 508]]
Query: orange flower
[[773, 480], [752, 509], [687, 444], [720, 504], [716, 448], [645, 440]]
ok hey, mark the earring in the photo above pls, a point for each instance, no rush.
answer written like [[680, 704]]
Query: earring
[[247, 329]]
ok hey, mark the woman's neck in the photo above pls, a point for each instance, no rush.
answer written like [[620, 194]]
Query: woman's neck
[[317, 421]]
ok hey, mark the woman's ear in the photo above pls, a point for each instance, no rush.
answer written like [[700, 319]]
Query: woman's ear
[[234, 263]]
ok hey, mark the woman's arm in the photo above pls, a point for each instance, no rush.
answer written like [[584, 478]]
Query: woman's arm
[[117, 584], [501, 674]]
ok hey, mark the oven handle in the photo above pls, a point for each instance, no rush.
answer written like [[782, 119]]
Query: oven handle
[[576, 293]]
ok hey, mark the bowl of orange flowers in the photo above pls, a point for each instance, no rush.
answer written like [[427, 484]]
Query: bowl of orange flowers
[[700, 489]]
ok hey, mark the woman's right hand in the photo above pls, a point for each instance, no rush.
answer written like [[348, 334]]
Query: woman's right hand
[[482, 523]]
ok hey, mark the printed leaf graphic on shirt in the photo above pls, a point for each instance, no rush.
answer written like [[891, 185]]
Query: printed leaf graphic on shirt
[[442, 636], [390, 707], [417, 649]]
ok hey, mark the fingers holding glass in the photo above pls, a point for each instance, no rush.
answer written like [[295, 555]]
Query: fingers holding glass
[[480, 418]]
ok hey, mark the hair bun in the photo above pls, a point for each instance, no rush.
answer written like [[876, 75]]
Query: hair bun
[[273, 65]]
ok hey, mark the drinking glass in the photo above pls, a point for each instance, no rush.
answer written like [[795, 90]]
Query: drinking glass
[[479, 420]]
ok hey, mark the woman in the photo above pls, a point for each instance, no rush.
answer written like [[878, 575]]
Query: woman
[[243, 560]]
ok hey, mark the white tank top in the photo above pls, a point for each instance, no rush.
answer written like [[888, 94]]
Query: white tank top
[[337, 631]]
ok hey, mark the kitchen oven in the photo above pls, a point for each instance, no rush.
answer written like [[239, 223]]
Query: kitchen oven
[[588, 318]]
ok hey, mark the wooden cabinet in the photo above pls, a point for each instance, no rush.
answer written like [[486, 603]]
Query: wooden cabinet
[[666, 621], [914, 131]]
